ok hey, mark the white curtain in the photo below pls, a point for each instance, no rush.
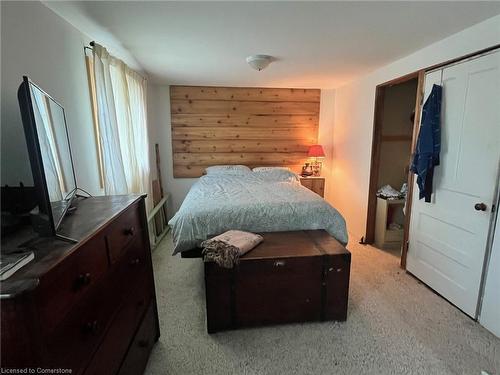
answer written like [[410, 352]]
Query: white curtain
[[121, 112]]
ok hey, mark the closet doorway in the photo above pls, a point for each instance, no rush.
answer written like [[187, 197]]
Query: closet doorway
[[396, 108]]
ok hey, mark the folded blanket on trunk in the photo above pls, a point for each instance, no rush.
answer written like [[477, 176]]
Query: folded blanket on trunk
[[226, 248]]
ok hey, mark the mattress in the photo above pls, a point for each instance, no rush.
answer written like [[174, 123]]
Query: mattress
[[251, 202]]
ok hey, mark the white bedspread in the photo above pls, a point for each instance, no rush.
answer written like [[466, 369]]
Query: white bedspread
[[251, 203]]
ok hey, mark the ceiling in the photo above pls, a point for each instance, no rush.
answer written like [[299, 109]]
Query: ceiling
[[317, 44]]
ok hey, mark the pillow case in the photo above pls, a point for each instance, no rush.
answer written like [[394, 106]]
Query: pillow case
[[258, 169], [277, 174], [227, 169]]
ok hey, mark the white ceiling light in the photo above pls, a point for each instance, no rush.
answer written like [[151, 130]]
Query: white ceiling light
[[259, 62]]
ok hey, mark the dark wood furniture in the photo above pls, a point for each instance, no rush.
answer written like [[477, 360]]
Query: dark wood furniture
[[316, 184], [91, 306], [290, 277]]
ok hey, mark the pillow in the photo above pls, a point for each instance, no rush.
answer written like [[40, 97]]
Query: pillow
[[277, 174], [258, 169], [227, 169]]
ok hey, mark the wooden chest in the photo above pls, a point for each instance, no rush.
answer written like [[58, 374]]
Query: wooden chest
[[290, 277], [88, 307]]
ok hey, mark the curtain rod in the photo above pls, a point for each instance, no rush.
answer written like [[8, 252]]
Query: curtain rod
[[92, 44]]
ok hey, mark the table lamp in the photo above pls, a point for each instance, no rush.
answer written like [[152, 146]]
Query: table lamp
[[316, 152]]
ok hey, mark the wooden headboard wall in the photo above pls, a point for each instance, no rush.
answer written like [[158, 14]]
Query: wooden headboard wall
[[233, 125]]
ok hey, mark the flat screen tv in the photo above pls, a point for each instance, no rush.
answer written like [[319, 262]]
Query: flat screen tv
[[46, 132]]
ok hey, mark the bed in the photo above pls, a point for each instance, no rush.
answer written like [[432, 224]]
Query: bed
[[270, 201]]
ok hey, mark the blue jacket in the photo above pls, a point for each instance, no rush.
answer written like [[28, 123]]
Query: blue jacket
[[428, 146]]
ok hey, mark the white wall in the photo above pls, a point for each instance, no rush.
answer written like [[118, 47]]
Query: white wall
[[159, 118], [354, 107], [325, 138], [76, 13], [38, 43]]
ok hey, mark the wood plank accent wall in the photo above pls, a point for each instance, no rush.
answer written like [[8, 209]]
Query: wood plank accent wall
[[233, 125]]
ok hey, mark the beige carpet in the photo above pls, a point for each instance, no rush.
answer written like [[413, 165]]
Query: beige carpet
[[395, 325]]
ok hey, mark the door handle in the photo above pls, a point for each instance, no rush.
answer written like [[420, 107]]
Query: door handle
[[480, 207]]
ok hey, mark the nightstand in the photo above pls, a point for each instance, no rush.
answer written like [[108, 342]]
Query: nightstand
[[316, 184]]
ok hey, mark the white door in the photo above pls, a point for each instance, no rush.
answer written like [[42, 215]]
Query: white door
[[490, 310], [447, 242]]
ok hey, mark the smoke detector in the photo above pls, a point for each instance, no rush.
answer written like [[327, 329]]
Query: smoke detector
[[259, 62]]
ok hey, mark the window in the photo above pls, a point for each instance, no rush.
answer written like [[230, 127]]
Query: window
[[120, 121], [93, 103]]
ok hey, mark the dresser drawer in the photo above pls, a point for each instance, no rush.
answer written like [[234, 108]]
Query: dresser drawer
[[85, 325], [108, 358], [77, 337], [138, 354], [124, 230], [133, 262], [68, 282]]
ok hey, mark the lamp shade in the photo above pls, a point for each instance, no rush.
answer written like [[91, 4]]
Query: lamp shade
[[316, 151]]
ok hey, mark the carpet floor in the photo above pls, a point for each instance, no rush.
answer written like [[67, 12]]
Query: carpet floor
[[395, 325]]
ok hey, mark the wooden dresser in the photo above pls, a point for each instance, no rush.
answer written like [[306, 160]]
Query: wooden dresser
[[90, 306], [316, 184]]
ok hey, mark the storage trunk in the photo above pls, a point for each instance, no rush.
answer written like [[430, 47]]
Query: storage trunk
[[290, 277]]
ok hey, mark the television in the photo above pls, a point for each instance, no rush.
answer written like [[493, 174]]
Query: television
[[49, 149]]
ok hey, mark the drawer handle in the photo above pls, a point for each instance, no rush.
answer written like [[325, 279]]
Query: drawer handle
[[336, 269], [143, 343], [135, 262], [279, 263], [129, 231], [83, 279], [91, 327]]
